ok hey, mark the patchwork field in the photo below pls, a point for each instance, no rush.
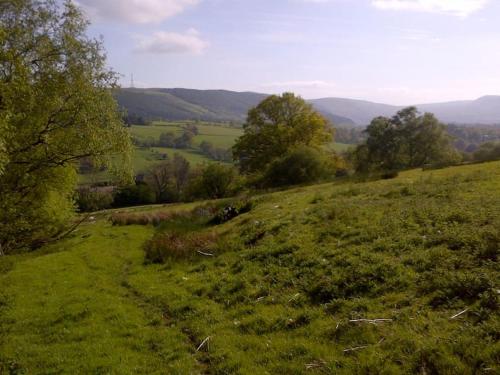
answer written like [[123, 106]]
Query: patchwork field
[[396, 276], [220, 135]]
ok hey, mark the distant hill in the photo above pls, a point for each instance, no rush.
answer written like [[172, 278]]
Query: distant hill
[[188, 104], [361, 112], [222, 105], [485, 110]]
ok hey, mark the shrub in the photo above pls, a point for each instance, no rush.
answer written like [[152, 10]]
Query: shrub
[[300, 165], [178, 246], [133, 195], [200, 214], [388, 175], [147, 218], [214, 181], [232, 210], [487, 152], [93, 199]]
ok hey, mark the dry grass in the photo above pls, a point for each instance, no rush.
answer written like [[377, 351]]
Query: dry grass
[[177, 246]]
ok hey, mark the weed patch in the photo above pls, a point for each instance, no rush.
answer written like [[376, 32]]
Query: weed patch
[[167, 246]]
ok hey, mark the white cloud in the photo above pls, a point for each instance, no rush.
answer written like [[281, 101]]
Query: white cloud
[[460, 8], [134, 11], [162, 42]]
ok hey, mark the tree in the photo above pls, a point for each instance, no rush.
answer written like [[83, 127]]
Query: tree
[[56, 107], [487, 152], [159, 178], [169, 179], [299, 165], [185, 140], [193, 129], [407, 140], [213, 181], [180, 173], [276, 125], [167, 139], [206, 148]]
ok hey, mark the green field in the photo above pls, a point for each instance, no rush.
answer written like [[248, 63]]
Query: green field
[[286, 292], [219, 135]]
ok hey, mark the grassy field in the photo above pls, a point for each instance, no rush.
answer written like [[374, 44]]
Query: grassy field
[[220, 135], [396, 277]]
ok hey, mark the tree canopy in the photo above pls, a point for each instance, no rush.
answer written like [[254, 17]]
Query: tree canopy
[[407, 140], [276, 125], [56, 107]]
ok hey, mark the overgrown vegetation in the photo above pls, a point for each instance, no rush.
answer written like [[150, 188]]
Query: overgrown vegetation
[[56, 108], [390, 276]]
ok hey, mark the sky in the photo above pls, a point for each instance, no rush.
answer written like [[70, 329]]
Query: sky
[[389, 51]]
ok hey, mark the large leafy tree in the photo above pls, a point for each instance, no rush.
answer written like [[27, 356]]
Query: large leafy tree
[[407, 140], [277, 125], [56, 107]]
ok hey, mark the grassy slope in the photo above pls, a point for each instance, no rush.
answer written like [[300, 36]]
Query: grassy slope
[[417, 249]]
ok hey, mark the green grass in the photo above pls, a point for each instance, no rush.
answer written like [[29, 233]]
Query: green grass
[[278, 295], [143, 159], [219, 135]]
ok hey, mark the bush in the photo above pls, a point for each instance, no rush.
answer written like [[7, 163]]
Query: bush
[[388, 175], [178, 246], [488, 152], [300, 165], [93, 199], [134, 195], [214, 181], [232, 210]]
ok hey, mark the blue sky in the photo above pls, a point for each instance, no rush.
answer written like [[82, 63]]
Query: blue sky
[[392, 51]]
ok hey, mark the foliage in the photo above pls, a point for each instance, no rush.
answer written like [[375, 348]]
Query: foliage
[[94, 199], [56, 108], [132, 119], [297, 166], [488, 151], [469, 138], [350, 135], [166, 140], [236, 208], [214, 181], [276, 125], [169, 179], [406, 140], [133, 195], [215, 153]]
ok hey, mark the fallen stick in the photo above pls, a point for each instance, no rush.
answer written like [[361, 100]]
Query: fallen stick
[[460, 313], [203, 343], [372, 321], [316, 364], [362, 347], [206, 254], [355, 348]]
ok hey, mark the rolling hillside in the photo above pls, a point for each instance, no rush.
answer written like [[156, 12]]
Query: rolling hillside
[[204, 105], [485, 110], [397, 277], [229, 106]]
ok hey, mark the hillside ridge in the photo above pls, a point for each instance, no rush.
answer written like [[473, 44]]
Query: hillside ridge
[[231, 106]]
